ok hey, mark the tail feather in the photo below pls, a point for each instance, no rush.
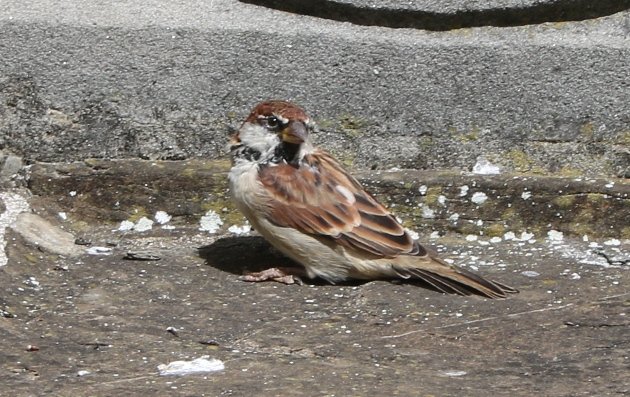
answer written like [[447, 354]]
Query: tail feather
[[447, 278]]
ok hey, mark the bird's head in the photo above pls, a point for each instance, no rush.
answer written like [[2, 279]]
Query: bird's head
[[276, 126]]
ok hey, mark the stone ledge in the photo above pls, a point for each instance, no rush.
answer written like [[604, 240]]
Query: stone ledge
[[113, 191]]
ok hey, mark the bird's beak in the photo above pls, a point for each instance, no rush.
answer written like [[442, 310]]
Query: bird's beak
[[295, 132]]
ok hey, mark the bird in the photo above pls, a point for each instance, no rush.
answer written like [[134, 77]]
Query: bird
[[307, 206]]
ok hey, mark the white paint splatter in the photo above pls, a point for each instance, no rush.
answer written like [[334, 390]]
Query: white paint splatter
[[14, 205], [211, 222], [479, 198], [196, 366], [162, 217], [463, 190]]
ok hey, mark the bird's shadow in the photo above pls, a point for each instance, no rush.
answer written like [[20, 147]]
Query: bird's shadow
[[244, 254]]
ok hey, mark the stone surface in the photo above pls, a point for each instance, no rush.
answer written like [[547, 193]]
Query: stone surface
[[99, 191], [161, 80], [47, 237], [101, 325]]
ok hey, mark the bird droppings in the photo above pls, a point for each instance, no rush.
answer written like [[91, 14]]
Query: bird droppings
[[414, 235], [479, 198], [612, 242], [162, 217], [554, 235], [452, 373], [428, 213], [240, 230], [509, 236], [99, 250], [423, 189], [463, 190], [83, 373], [143, 224], [530, 273], [485, 167], [14, 205], [199, 365], [526, 195], [211, 222], [62, 215], [126, 226], [472, 237]]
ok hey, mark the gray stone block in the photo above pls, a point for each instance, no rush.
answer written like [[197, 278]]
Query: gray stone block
[[165, 81]]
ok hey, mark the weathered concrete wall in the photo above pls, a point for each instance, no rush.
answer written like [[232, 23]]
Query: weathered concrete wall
[[164, 80]]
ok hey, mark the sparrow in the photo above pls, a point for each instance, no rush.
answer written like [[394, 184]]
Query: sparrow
[[306, 205]]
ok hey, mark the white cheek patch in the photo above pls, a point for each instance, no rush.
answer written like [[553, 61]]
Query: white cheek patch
[[347, 194], [258, 138]]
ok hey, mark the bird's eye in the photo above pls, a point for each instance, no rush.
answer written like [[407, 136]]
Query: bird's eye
[[273, 122]]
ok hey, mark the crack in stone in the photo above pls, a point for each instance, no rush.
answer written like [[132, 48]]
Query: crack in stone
[[540, 12]]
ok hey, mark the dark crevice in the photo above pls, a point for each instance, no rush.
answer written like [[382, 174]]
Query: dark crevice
[[550, 11]]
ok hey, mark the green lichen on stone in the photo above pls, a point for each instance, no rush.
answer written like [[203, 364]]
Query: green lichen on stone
[[520, 160], [569, 171], [496, 229], [137, 212], [471, 136], [432, 195], [625, 232], [624, 139], [564, 201], [587, 130], [595, 198], [352, 126], [225, 209], [580, 229], [425, 143]]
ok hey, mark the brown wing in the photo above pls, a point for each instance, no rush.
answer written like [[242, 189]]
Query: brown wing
[[319, 197]]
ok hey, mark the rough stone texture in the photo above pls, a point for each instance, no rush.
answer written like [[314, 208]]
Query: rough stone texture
[[161, 80], [45, 236], [113, 191], [566, 333]]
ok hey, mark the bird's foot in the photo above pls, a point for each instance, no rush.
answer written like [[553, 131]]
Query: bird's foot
[[282, 275]]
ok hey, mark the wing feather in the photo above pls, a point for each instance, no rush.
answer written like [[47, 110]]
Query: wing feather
[[319, 197]]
